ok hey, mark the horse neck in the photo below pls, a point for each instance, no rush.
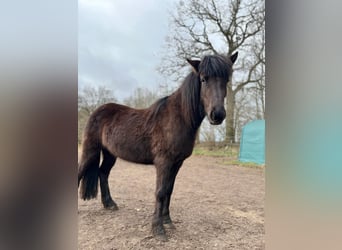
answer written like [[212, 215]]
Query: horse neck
[[188, 99]]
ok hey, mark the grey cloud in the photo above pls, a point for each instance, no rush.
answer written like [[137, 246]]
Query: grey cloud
[[121, 57]]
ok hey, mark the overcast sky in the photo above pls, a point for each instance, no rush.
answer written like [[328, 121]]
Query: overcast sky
[[120, 42]]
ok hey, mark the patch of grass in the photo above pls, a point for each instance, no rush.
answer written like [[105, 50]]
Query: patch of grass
[[236, 162], [216, 152], [229, 156]]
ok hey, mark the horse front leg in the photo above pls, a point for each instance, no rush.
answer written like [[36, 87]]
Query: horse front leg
[[166, 206], [166, 175]]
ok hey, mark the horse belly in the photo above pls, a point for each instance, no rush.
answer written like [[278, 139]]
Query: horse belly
[[135, 154], [132, 149]]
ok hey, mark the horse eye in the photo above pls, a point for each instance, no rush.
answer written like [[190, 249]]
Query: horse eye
[[204, 79]]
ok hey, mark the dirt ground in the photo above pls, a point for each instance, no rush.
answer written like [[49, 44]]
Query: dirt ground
[[214, 206]]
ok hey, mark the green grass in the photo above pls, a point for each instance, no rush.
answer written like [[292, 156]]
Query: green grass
[[229, 156], [242, 164], [216, 152]]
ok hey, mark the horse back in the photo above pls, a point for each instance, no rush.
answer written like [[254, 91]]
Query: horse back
[[124, 134]]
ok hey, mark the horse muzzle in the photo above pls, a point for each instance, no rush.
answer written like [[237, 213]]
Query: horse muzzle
[[217, 115]]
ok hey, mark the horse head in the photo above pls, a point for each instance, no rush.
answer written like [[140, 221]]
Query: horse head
[[214, 72]]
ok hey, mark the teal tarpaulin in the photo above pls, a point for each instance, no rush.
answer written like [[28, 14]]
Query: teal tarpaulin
[[252, 143]]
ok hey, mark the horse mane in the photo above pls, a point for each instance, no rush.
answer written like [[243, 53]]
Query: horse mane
[[154, 110], [157, 107], [191, 100], [189, 92]]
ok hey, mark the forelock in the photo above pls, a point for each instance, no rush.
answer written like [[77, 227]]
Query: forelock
[[215, 66]]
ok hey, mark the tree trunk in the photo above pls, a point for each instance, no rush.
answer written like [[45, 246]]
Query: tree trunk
[[198, 136], [230, 103]]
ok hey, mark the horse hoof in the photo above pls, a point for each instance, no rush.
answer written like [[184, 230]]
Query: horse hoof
[[168, 223], [169, 226], [160, 237], [159, 233], [111, 206]]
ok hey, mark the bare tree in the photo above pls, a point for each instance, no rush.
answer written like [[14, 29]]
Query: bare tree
[[260, 71], [89, 98], [200, 27], [245, 110], [141, 98]]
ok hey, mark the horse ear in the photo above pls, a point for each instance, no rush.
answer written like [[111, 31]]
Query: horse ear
[[234, 57], [194, 64]]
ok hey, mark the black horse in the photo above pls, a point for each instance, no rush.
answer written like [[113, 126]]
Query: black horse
[[163, 134]]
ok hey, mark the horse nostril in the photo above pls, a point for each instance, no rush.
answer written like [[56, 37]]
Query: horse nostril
[[217, 114], [212, 115]]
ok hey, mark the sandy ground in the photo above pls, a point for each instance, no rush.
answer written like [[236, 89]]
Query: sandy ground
[[214, 206]]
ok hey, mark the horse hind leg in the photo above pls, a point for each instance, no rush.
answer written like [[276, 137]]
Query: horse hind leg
[[106, 165]]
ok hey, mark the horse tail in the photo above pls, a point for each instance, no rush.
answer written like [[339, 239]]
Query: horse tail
[[88, 169]]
